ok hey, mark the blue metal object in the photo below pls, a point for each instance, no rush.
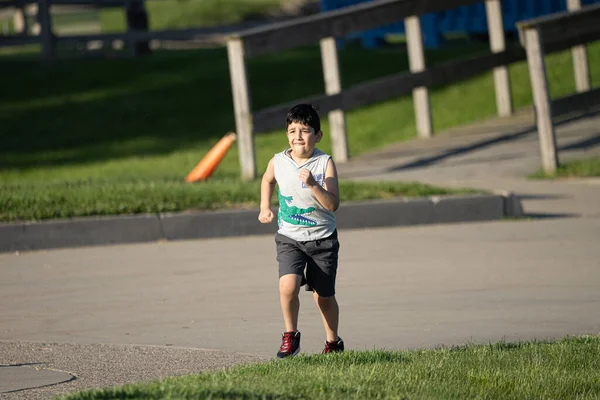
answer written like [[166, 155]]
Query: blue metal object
[[470, 20]]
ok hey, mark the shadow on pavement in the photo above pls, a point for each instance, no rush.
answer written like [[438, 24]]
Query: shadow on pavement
[[502, 138]]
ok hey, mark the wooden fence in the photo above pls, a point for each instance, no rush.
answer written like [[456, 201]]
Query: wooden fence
[[327, 26], [137, 36], [47, 38], [541, 36]]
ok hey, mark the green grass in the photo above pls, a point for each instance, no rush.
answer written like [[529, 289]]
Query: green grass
[[172, 14], [147, 122], [565, 369], [64, 199], [589, 167], [169, 14]]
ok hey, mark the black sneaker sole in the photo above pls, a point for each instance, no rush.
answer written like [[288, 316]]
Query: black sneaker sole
[[289, 355]]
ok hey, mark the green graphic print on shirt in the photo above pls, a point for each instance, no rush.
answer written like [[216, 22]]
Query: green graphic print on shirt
[[292, 214]]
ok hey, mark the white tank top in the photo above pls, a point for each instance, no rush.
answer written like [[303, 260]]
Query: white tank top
[[301, 217]]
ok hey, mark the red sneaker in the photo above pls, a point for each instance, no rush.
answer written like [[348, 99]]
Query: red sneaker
[[290, 344], [334, 347]]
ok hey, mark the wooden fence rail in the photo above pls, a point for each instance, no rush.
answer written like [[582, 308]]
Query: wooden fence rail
[[392, 86], [336, 23], [542, 36], [323, 28]]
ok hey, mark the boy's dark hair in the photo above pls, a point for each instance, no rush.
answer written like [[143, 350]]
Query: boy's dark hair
[[304, 114]]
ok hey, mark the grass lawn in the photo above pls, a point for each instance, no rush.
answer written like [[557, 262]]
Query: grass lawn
[[589, 167], [119, 135], [565, 369], [169, 14], [64, 199], [172, 14]]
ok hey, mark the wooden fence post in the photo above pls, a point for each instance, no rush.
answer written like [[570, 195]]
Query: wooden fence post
[[541, 97], [48, 45], [416, 59], [20, 21], [579, 54], [32, 10], [137, 21], [497, 44], [331, 75], [241, 107]]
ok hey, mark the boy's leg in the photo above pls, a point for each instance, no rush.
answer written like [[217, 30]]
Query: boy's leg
[[292, 262], [330, 312], [321, 276], [289, 287]]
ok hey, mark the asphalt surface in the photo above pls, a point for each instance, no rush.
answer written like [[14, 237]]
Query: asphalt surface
[[398, 288], [99, 365]]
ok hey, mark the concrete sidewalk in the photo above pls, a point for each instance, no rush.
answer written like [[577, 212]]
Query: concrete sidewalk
[[496, 154]]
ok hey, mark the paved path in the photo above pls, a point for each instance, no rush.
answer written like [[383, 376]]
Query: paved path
[[106, 314], [495, 154], [398, 288]]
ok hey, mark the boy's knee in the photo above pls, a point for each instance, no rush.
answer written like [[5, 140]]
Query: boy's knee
[[324, 299], [289, 285]]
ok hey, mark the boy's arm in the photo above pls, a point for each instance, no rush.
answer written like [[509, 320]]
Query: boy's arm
[[267, 186], [329, 196]]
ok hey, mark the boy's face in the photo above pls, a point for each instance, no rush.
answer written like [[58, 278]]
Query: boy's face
[[302, 138]]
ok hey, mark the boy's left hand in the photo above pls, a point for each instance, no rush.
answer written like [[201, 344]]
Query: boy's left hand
[[307, 177]]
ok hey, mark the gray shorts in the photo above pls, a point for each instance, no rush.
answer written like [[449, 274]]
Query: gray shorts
[[319, 257]]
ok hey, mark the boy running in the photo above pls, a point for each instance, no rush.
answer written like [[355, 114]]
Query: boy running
[[307, 237]]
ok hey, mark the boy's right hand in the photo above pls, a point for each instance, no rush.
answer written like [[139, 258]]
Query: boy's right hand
[[265, 216]]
